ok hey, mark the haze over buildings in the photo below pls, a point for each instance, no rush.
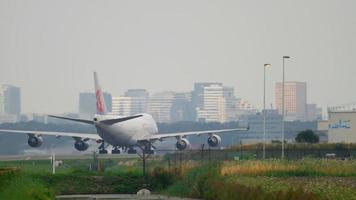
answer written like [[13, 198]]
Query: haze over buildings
[[295, 102], [10, 103], [87, 103], [51, 48]]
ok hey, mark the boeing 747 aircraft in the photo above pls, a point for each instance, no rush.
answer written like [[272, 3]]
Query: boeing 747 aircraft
[[122, 132]]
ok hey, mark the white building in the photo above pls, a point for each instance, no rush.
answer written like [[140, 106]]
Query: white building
[[10, 100], [122, 106], [133, 102], [214, 104], [342, 126], [159, 106]]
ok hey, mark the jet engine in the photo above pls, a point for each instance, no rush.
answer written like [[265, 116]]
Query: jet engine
[[214, 140], [35, 141], [182, 144], [81, 145]]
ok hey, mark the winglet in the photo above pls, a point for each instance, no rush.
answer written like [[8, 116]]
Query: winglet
[[100, 102]]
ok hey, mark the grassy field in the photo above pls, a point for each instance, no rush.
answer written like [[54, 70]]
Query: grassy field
[[270, 179], [34, 179], [245, 179]]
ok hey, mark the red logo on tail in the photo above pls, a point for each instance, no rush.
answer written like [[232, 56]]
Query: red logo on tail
[[99, 102]]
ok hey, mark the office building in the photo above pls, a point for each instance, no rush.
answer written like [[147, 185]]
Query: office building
[[214, 102], [182, 107], [133, 102], [159, 106], [198, 93], [122, 106], [295, 100], [10, 100], [213, 107], [139, 100]]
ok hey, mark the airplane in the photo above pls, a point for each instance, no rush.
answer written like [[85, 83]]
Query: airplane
[[125, 132]]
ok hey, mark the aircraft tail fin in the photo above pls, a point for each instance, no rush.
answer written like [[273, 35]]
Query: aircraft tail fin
[[100, 102]]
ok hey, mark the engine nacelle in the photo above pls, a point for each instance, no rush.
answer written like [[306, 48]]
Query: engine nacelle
[[35, 141], [182, 144], [81, 145], [214, 140]]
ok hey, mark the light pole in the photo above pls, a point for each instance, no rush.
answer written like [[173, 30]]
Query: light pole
[[283, 109], [264, 109]]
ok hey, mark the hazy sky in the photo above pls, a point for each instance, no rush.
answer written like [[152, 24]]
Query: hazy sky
[[50, 48]]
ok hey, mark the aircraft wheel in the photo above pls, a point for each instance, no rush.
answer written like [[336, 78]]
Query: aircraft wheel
[[115, 151], [103, 151], [132, 151], [148, 151]]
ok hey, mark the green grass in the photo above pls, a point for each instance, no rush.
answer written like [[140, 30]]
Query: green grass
[[245, 179], [15, 184], [270, 179], [74, 177]]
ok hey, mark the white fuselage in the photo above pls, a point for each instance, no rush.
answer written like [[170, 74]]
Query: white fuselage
[[125, 133]]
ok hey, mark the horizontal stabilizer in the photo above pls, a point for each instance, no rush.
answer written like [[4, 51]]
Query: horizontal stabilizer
[[113, 121], [73, 119]]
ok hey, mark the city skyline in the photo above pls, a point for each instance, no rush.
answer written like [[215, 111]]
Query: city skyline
[[87, 98], [168, 46]]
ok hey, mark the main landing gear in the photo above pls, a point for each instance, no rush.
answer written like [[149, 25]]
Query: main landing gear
[[102, 148], [147, 149], [131, 150], [116, 150]]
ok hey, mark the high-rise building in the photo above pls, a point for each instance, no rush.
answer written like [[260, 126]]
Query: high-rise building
[[182, 107], [159, 106], [10, 100], [198, 92], [230, 104], [87, 103], [139, 100], [133, 102], [122, 106], [213, 104], [295, 100]]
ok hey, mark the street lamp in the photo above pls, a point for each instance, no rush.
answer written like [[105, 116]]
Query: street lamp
[[264, 109], [283, 109]]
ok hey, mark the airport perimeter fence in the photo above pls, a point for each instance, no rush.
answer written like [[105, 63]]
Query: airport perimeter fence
[[272, 152]]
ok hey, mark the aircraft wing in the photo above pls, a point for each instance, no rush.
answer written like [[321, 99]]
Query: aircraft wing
[[57, 134], [153, 138]]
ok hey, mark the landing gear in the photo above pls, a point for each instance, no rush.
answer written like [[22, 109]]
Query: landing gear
[[115, 150], [131, 151], [148, 151], [102, 149], [148, 148]]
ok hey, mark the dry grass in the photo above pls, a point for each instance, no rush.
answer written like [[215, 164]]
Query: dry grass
[[9, 169], [307, 167], [255, 168]]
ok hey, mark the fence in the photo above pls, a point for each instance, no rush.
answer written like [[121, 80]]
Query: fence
[[256, 152]]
